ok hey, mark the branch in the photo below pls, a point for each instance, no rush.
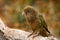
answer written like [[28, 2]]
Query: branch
[[15, 34]]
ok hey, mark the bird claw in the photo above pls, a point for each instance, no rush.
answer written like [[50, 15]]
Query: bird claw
[[30, 35]]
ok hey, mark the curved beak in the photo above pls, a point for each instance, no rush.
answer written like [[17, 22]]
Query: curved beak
[[22, 13]]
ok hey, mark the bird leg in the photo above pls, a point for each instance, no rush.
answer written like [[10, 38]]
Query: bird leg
[[30, 34], [36, 33], [33, 33]]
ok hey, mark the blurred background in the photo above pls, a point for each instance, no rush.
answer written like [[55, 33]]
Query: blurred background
[[11, 13]]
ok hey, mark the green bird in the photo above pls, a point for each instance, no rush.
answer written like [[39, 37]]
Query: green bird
[[36, 21]]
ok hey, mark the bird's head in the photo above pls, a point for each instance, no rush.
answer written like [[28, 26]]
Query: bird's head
[[29, 13]]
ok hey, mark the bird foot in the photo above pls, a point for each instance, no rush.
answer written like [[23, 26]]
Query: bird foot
[[35, 36], [30, 34]]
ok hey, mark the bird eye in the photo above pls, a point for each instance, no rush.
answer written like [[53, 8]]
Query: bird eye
[[28, 11]]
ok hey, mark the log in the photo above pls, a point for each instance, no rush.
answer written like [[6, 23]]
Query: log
[[15, 34]]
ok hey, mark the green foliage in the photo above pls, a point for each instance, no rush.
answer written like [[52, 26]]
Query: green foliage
[[31, 2], [46, 1], [57, 7], [21, 18], [18, 18], [57, 31], [57, 17], [8, 2], [14, 18]]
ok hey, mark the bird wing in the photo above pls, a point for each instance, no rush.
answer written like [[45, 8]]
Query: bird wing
[[43, 23]]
